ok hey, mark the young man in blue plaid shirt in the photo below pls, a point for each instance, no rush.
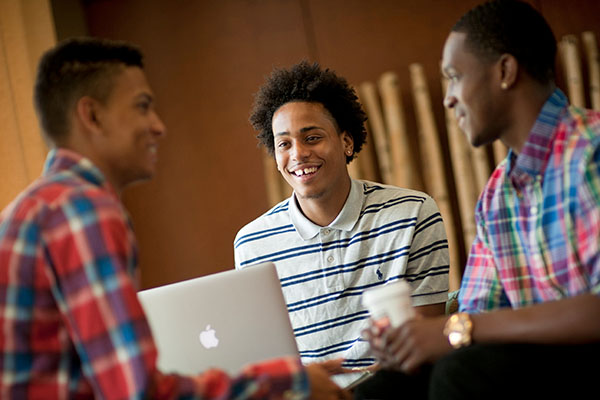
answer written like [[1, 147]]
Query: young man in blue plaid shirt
[[529, 320]]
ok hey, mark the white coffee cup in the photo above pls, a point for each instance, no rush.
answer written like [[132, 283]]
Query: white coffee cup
[[391, 300]]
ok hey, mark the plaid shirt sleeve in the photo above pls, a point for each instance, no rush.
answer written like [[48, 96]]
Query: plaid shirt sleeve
[[586, 228], [480, 288], [90, 248]]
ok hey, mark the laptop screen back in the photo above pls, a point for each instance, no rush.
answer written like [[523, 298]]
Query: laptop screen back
[[225, 320]]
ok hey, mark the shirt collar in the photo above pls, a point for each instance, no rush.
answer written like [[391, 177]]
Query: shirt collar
[[61, 159], [531, 161], [345, 220]]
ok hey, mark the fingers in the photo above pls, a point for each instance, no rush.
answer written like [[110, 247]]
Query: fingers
[[394, 349], [321, 385], [344, 394], [334, 367]]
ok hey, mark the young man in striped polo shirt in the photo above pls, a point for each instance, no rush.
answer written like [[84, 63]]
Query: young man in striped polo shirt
[[335, 237]]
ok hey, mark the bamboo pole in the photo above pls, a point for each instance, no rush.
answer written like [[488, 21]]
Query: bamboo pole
[[481, 165], [571, 62], [433, 166], [593, 59], [464, 174], [369, 95], [403, 164], [369, 169], [500, 151]]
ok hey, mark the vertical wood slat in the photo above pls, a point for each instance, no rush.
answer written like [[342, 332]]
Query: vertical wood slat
[[403, 164], [463, 169], [367, 158], [433, 166], [570, 58], [26, 31], [593, 62], [368, 93]]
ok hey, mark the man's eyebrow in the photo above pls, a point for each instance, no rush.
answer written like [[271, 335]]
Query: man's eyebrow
[[302, 130], [145, 96], [309, 128], [447, 70]]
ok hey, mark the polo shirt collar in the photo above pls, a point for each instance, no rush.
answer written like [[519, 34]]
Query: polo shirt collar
[[345, 221]]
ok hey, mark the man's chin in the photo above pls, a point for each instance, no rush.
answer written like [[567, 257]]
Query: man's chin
[[141, 178], [308, 195]]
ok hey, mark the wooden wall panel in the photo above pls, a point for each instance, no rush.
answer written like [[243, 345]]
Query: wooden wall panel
[[204, 61]]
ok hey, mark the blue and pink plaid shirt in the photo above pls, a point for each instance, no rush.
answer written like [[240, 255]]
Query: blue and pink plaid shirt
[[538, 219], [70, 322]]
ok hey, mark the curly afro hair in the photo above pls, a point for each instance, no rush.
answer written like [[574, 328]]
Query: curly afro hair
[[514, 27], [308, 82]]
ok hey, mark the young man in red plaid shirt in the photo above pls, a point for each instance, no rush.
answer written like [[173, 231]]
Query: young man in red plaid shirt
[[71, 324]]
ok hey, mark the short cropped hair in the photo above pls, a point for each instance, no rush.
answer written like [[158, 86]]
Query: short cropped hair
[[308, 82], [75, 68], [511, 27]]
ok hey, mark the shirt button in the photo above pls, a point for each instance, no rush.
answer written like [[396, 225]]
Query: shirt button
[[533, 210], [330, 259], [326, 231]]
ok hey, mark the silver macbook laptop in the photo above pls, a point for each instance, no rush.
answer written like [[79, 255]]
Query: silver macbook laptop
[[225, 320]]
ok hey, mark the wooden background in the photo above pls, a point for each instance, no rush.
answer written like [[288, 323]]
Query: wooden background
[[205, 59]]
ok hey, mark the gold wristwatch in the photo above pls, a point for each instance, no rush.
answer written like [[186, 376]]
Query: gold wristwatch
[[458, 330]]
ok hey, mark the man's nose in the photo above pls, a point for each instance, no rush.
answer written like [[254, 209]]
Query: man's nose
[[158, 127], [449, 100], [300, 151]]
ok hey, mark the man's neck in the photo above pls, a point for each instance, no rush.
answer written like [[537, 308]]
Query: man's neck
[[324, 210], [78, 144], [527, 107]]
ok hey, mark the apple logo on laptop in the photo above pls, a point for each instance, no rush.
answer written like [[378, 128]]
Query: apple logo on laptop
[[208, 338]]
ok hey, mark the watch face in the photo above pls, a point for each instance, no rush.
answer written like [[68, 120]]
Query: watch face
[[458, 330], [456, 338]]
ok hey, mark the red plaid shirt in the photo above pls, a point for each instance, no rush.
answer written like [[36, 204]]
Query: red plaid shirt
[[71, 324]]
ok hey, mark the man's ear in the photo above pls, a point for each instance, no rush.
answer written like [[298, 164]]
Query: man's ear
[[509, 68], [348, 142], [86, 111]]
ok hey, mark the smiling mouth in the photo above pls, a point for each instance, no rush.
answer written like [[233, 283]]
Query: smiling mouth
[[304, 171]]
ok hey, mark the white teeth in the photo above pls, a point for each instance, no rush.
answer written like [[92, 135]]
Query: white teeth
[[305, 171]]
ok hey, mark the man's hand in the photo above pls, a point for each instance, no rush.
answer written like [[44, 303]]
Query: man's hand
[[407, 347], [321, 385]]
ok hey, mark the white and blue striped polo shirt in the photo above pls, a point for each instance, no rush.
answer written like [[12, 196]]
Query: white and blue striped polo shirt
[[383, 233]]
